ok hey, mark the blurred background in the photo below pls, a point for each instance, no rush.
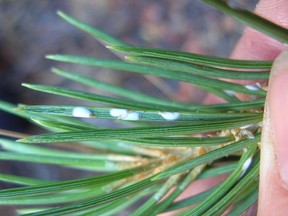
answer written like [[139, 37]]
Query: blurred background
[[29, 29]]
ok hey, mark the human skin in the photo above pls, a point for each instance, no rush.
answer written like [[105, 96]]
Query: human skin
[[253, 45], [273, 191], [273, 195]]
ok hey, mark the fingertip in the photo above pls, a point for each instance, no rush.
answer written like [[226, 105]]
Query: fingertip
[[278, 105], [273, 196]]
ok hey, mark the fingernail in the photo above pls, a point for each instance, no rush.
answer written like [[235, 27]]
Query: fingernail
[[278, 105]]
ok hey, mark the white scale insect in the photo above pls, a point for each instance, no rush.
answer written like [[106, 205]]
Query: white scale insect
[[252, 87], [170, 116], [246, 165], [229, 92], [124, 114], [82, 112]]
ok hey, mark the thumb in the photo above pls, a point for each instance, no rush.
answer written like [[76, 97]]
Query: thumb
[[273, 198]]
